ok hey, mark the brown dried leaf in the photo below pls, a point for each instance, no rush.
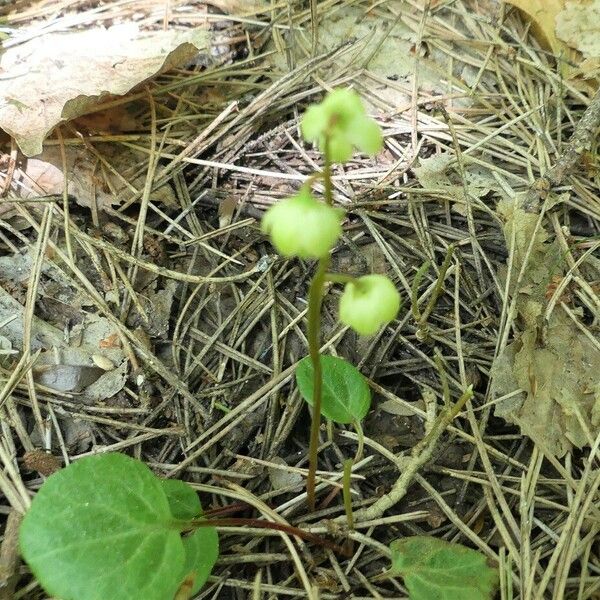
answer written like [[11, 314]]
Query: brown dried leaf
[[56, 77], [88, 181], [42, 462]]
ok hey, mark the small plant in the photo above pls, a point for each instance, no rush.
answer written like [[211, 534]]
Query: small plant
[[306, 227], [434, 568], [107, 527]]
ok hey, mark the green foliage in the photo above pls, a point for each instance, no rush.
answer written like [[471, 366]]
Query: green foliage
[[339, 124], [107, 527], [302, 226], [201, 553], [368, 303], [183, 501], [434, 569], [346, 395], [202, 545]]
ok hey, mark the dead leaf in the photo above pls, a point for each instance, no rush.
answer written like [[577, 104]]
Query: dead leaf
[[226, 210], [42, 462], [588, 68], [394, 407], [542, 14], [281, 478], [88, 180], [157, 304], [66, 378], [66, 364], [117, 119], [378, 48], [550, 379], [440, 173], [56, 77], [112, 341], [238, 7], [108, 385], [579, 26]]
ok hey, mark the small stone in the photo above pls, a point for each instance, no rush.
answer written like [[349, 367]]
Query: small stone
[[102, 362]]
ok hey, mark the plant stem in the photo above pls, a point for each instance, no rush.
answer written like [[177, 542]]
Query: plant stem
[[315, 297], [420, 454], [347, 493], [327, 182], [360, 434], [262, 524]]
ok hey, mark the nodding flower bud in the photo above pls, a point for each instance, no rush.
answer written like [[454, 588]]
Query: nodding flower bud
[[303, 226], [368, 303], [339, 124]]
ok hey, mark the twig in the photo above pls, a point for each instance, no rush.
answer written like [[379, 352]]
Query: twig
[[580, 141], [422, 453]]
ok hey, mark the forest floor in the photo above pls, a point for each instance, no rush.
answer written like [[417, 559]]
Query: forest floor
[[143, 311]]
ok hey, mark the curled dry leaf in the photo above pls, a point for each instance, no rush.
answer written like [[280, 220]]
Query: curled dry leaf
[[56, 77]]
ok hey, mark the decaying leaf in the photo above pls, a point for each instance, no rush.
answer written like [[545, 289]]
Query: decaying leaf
[[542, 14], [440, 173], [281, 478], [244, 7], [56, 77], [92, 181], [66, 378], [108, 385], [579, 26], [392, 59], [42, 462], [550, 371], [431, 171], [65, 364]]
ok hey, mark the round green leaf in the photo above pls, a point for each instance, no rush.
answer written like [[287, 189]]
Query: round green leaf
[[434, 568], [201, 553], [202, 546], [102, 528], [183, 500], [346, 395]]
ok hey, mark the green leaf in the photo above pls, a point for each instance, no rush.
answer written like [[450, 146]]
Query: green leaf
[[201, 546], [183, 500], [346, 395], [201, 553], [436, 569], [102, 528]]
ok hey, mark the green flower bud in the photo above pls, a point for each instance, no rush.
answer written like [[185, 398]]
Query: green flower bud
[[342, 120], [368, 303], [302, 226]]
